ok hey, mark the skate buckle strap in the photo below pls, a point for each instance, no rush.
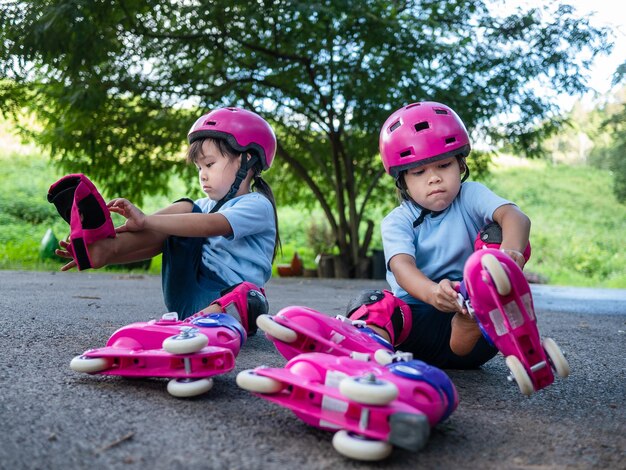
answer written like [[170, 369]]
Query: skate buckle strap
[[357, 323], [360, 356], [401, 356], [336, 337]]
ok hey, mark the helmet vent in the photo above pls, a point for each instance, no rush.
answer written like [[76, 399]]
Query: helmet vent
[[450, 140], [441, 111], [406, 153], [394, 126], [420, 126], [210, 123]]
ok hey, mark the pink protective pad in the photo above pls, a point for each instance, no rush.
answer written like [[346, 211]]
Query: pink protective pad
[[80, 204], [490, 236], [383, 309], [245, 302]]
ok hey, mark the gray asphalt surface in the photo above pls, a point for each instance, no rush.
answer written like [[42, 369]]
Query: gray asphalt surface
[[54, 418]]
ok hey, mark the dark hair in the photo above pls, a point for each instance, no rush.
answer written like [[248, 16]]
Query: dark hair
[[259, 184]]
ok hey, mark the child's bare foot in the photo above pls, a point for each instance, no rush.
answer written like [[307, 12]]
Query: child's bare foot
[[465, 334]]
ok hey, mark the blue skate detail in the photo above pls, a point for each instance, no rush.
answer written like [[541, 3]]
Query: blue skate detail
[[419, 370], [214, 320], [379, 339], [487, 338], [463, 292]]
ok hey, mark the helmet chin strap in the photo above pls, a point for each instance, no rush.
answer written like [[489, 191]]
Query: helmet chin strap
[[424, 212], [239, 177]]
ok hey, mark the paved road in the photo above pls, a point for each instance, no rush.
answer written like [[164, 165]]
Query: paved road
[[54, 418]]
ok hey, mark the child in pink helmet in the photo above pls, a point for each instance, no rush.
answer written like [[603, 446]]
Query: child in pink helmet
[[430, 235], [224, 243]]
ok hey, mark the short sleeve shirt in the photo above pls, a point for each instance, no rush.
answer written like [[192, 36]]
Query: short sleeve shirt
[[440, 244], [247, 254]]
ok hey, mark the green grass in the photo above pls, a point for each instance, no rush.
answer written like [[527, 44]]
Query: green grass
[[578, 227], [577, 234]]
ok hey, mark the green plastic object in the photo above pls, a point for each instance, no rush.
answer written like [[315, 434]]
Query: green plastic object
[[48, 244]]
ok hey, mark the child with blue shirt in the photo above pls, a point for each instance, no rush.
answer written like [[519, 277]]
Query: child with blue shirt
[[430, 235], [217, 250]]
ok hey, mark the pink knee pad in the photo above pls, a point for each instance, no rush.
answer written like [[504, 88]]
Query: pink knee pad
[[490, 236], [245, 302], [80, 204], [383, 309]]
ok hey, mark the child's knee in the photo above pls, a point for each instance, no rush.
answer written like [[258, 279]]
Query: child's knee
[[382, 309]]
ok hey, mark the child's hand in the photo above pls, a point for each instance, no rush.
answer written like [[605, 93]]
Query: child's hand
[[63, 252], [135, 217], [444, 297]]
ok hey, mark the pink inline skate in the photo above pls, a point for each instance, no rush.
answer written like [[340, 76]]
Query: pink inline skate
[[189, 353], [295, 330], [370, 406], [497, 295]]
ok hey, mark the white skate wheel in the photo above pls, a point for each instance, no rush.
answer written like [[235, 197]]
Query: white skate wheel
[[368, 390], [560, 364], [497, 273], [185, 343], [251, 381], [360, 448], [520, 375], [275, 329], [383, 357], [89, 365], [185, 388]]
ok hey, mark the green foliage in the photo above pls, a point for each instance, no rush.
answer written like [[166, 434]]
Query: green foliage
[[577, 232], [597, 136], [26, 215], [108, 80], [578, 227], [609, 136]]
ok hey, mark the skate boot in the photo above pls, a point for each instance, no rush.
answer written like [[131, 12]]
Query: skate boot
[[370, 407], [295, 330], [188, 353], [497, 295]]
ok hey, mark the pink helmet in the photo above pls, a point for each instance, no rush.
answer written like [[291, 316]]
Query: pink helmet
[[421, 133], [242, 129]]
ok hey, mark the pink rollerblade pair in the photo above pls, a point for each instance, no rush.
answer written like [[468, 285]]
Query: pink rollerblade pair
[[342, 376], [188, 352], [497, 295], [370, 407]]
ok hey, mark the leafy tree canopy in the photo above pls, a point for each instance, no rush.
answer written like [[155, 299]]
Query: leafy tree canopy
[[116, 83]]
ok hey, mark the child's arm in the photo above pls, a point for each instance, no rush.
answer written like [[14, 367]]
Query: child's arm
[[175, 220], [442, 296], [515, 231]]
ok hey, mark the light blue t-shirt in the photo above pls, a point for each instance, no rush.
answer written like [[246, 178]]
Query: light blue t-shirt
[[246, 255], [440, 244]]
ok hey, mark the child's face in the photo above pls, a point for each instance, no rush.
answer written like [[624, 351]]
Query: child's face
[[435, 185], [216, 171]]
